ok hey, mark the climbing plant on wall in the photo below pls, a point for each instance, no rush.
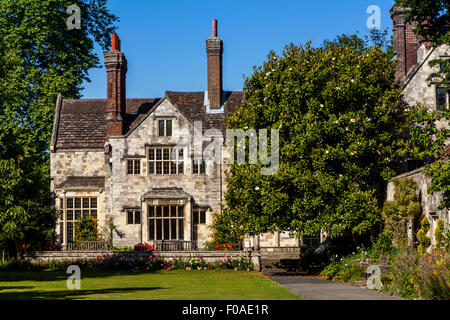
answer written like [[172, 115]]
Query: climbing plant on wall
[[396, 213], [86, 229]]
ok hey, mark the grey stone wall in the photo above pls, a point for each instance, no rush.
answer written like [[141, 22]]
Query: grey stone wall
[[429, 202], [418, 88], [86, 163], [124, 190], [208, 256]]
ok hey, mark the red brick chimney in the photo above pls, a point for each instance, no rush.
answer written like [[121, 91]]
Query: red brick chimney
[[406, 43], [116, 68], [214, 50]]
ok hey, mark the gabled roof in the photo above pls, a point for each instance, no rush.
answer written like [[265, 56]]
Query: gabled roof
[[81, 123], [192, 106]]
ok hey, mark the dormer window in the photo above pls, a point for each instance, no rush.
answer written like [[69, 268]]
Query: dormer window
[[165, 128]]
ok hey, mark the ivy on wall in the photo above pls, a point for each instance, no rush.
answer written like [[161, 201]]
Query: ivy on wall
[[398, 212]]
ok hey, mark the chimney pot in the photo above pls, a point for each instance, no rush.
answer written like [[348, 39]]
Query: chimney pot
[[116, 69], [115, 42], [214, 49], [214, 28]]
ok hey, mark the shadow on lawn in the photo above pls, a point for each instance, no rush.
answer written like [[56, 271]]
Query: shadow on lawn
[[66, 294], [47, 276]]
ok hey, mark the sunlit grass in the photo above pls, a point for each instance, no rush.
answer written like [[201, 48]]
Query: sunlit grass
[[165, 285]]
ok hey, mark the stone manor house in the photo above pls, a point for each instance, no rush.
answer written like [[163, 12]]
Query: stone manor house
[[119, 159]]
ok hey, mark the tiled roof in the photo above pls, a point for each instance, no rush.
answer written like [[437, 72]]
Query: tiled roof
[[191, 104], [83, 182], [167, 193], [81, 123]]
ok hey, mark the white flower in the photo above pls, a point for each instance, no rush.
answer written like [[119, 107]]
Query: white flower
[[352, 120], [346, 129], [256, 188], [369, 119], [246, 127], [352, 81], [337, 88], [290, 69], [321, 105], [268, 73], [327, 152], [333, 59], [337, 121]]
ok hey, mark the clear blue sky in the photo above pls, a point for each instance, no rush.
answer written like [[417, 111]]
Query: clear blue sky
[[164, 40]]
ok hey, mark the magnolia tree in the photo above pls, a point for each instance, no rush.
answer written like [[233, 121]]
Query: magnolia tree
[[341, 129]]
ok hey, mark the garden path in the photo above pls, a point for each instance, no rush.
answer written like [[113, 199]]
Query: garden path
[[314, 288]]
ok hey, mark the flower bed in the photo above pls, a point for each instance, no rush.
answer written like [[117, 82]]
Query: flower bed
[[133, 263]]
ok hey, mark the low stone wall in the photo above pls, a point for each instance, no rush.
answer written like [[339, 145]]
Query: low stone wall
[[208, 256]]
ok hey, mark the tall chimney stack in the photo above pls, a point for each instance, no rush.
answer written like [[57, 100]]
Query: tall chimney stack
[[214, 50], [406, 43], [116, 68]]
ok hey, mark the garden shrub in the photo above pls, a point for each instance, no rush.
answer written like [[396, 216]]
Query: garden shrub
[[404, 271], [439, 236], [424, 240], [125, 248], [353, 266], [383, 245], [143, 247], [415, 274], [433, 282], [86, 229]]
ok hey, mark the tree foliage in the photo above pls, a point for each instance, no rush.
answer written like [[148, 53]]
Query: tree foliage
[[39, 58], [439, 172], [342, 126]]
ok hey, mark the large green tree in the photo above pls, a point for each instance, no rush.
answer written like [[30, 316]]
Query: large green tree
[[342, 125], [40, 56]]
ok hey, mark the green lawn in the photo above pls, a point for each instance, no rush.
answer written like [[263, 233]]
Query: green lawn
[[166, 285]]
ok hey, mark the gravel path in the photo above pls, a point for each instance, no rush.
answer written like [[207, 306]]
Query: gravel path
[[313, 288]]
